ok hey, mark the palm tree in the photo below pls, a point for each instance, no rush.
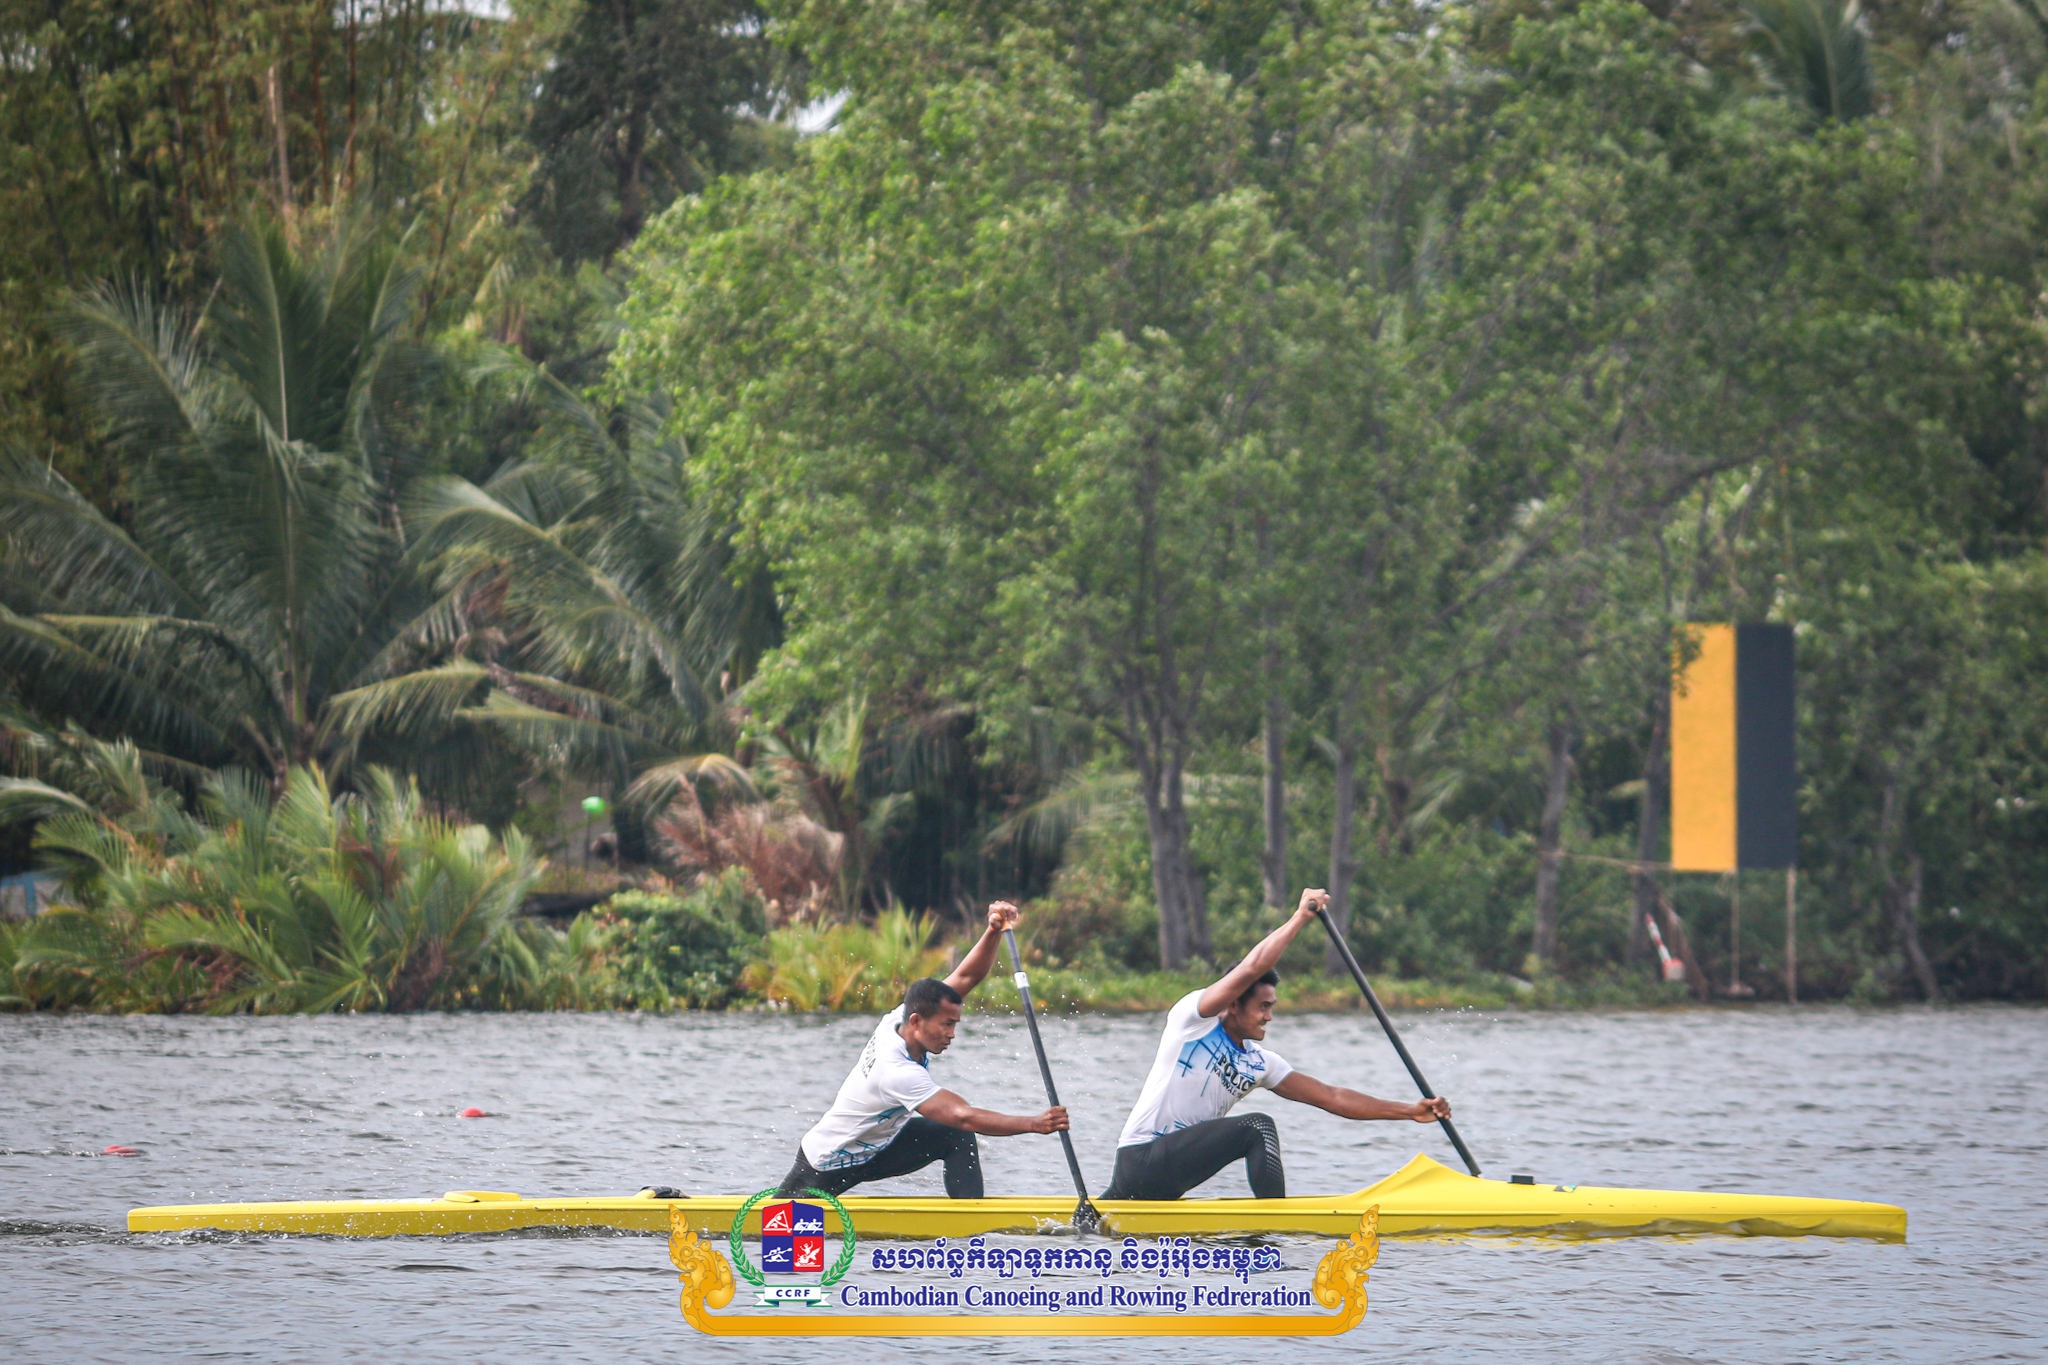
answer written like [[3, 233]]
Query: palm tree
[[261, 572], [305, 901], [626, 631], [859, 779], [1816, 52]]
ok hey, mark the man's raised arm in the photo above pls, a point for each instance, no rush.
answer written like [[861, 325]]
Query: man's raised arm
[[1261, 959], [981, 958]]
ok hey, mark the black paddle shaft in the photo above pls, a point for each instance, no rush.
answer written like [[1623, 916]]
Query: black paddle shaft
[[1343, 948], [1052, 1096]]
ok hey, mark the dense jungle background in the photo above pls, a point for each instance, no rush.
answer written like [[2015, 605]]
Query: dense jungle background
[[658, 503]]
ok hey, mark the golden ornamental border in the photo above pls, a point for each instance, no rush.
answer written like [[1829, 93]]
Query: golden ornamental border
[[1339, 1283]]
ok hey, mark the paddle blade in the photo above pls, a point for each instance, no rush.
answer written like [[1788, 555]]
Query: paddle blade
[[1087, 1218]]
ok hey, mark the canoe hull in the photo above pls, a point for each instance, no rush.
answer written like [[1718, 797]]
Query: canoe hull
[[1422, 1197]]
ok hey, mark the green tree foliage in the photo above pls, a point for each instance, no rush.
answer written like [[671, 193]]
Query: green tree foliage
[[643, 101], [624, 626], [1336, 404], [846, 966], [1068, 389], [1345, 356], [261, 576], [689, 950], [1817, 52], [302, 902], [137, 134]]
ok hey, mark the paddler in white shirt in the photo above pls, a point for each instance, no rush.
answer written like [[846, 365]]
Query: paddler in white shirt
[[1212, 1055], [891, 1117]]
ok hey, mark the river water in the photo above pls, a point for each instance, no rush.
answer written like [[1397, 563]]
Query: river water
[[1944, 1112]]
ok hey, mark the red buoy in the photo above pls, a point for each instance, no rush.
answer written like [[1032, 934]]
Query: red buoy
[[474, 1113], [118, 1150]]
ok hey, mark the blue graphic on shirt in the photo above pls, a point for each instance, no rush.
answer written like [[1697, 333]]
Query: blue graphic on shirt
[[859, 1152], [1233, 1069]]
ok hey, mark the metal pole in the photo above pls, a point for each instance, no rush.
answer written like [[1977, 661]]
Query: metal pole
[[1792, 935], [1736, 990], [1735, 934]]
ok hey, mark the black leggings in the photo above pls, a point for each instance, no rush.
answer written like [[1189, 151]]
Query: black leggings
[[1168, 1167], [921, 1142]]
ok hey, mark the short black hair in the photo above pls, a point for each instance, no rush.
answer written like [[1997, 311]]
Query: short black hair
[[926, 995], [1269, 977]]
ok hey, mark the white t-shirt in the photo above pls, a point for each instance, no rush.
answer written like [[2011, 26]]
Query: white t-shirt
[[877, 1098], [1199, 1074]]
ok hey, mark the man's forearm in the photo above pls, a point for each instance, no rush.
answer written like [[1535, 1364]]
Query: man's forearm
[[948, 1108], [989, 1123], [1353, 1104]]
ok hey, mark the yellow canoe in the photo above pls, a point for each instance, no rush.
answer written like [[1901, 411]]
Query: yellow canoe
[[1421, 1197]]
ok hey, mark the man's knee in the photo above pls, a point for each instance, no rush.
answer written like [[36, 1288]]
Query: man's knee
[[953, 1138], [1258, 1131]]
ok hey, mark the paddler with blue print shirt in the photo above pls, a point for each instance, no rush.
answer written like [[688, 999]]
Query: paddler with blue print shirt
[[1211, 1056], [890, 1117]]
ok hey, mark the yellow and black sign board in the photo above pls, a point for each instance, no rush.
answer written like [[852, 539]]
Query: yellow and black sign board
[[1733, 779]]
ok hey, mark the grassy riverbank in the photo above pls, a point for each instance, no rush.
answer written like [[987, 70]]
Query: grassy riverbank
[[658, 953], [302, 904], [1077, 990], [863, 968]]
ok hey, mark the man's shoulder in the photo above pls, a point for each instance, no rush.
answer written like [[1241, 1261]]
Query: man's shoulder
[[883, 1044], [890, 1042]]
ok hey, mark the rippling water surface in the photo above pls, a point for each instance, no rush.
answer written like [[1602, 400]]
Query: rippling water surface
[[1944, 1112]]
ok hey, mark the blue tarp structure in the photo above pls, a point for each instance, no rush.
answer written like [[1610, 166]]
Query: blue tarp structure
[[26, 894]]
